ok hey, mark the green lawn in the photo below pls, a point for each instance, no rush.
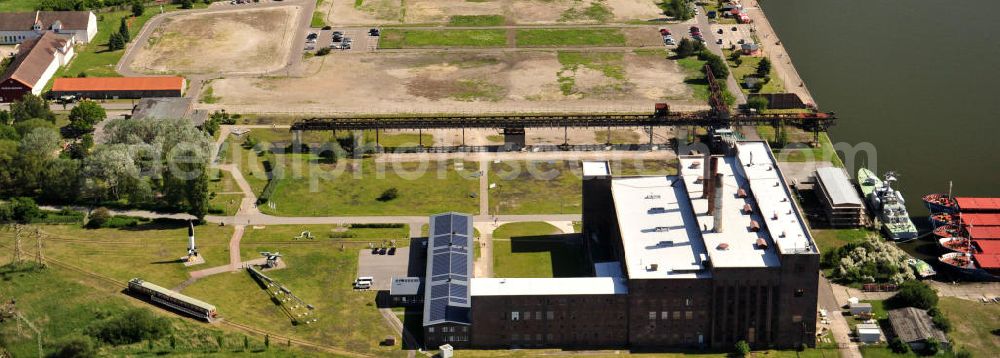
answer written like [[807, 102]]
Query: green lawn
[[825, 152], [644, 167], [476, 20], [536, 187], [18, 5], [399, 38], [256, 240], [829, 239], [395, 140], [694, 78], [353, 187], [974, 325], [748, 66], [569, 37], [93, 58], [63, 303], [535, 249], [618, 136], [150, 251]]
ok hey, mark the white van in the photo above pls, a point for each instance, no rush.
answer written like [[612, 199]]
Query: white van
[[364, 282]]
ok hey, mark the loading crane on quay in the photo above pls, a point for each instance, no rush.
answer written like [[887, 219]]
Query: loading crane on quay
[[718, 115]]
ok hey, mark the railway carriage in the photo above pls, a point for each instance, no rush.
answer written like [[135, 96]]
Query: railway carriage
[[174, 300]]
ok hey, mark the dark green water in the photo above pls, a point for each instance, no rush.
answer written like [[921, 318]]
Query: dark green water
[[918, 79]]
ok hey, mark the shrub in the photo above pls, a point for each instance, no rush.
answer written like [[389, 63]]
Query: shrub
[[389, 194], [915, 294], [98, 218], [897, 346], [120, 221], [22, 210], [323, 51], [75, 347], [963, 353], [742, 348], [377, 226], [342, 234], [131, 326], [932, 347]]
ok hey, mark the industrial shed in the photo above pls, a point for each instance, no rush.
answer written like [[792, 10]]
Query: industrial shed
[[841, 202], [914, 327], [118, 87]]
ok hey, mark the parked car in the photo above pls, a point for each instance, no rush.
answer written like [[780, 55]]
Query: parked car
[[335, 46], [694, 29], [327, 27], [721, 31], [312, 35], [345, 46], [718, 41], [373, 32]]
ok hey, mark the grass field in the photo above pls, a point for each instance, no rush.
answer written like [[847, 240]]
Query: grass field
[[18, 5], [823, 153], [569, 37], [611, 65], [748, 66], [476, 20], [974, 324], [354, 187], [399, 38], [93, 58], [535, 249], [829, 239], [644, 167], [695, 79], [536, 187], [150, 251], [64, 304]]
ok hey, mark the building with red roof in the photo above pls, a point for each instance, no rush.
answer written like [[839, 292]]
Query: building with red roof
[[119, 87], [984, 232]]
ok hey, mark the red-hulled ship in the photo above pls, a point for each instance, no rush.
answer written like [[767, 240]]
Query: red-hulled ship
[[982, 267], [950, 230], [940, 202], [941, 219]]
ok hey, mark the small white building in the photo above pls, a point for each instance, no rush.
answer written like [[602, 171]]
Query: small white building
[[16, 27], [868, 333]]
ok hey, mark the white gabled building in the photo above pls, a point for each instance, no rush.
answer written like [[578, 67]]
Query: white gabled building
[[16, 27]]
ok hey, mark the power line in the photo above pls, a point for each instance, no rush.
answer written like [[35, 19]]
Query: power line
[[39, 255]]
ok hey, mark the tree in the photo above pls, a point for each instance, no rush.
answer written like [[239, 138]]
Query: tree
[[138, 8], [679, 9], [116, 42], [123, 30], [742, 348], [323, 51], [60, 181], [267, 341], [684, 48], [98, 218], [8, 133], [246, 343], [915, 294], [717, 65], [31, 106], [85, 115], [389, 194], [758, 103], [764, 67], [23, 210], [186, 4], [4, 117]]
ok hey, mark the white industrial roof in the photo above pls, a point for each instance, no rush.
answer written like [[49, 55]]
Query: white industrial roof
[[595, 168], [660, 235], [835, 182], [483, 286], [784, 222], [736, 245], [868, 328]]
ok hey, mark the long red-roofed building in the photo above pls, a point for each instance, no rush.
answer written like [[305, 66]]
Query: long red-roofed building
[[981, 219], [969, 204], [984, 232], [988, 247], [119, 87]]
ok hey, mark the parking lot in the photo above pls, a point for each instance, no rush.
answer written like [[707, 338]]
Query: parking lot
[[733, 38], [360, 40]]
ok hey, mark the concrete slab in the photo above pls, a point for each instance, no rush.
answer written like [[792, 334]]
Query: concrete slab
[[191, 261], [383, 267]]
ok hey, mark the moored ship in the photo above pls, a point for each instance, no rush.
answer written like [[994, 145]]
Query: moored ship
[[923, 269], [973, 266], [940, 203], [955, 244], [887, 204]]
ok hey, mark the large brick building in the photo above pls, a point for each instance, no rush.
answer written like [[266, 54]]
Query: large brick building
[[716, 254], [33, 66]]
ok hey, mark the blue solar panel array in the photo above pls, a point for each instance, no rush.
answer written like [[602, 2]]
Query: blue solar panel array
[[449, 268]]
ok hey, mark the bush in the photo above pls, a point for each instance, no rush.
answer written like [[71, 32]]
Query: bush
[[897, 346], [915, 294], [742, 348], [323, 51], [963, 353], [75, 347], [98, 218], [22, 210], [342, 234], [932, 347], [131, 326], [389, 194], [120, 221], [758, 103]]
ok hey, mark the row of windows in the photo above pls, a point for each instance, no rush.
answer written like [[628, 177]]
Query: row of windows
[[448, 329], [549, 315], [459, 338], [9, 39], [687, 302], [664, 315]]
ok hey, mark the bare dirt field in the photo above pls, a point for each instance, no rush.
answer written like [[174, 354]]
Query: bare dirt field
[[497, 82], [228, 42], [344, 12]]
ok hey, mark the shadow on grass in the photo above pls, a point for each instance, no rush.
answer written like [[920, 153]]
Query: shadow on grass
[[565, 250], [174, 261], [157, 224]]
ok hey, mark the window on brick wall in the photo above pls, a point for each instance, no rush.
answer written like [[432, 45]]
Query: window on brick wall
[[514, 315], [549, 315], [652, 315], [688, 315], [799, 292], [677, 314], [538, 315], [664, 314], [797, 318]]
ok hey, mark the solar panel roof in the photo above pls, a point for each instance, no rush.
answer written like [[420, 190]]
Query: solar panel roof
[[449, 268]]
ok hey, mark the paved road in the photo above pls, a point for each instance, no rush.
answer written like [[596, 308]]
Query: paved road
[[731, 83], [841, 331]]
